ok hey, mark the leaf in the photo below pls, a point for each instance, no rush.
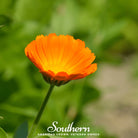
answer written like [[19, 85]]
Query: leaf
[[29, 112], [7, 91], [4, 20], [1, 117], [22, 131], [90, 94], [2, 133], [6, 6], [35, 12]]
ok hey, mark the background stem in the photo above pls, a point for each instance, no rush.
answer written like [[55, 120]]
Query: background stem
[[36, 121]]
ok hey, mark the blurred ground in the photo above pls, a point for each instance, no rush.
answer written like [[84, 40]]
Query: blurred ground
[[118, 106]]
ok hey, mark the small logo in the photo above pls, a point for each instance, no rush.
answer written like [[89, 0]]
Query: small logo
[[70, 130]]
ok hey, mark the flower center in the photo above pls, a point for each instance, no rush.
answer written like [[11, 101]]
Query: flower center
[[58, 68]]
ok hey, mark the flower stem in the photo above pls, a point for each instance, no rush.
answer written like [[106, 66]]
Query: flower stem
[[36, 121]]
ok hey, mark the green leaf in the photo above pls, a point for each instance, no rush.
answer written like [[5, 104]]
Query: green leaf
[[6, 6], [90, 94], [35, 12], [7, 91], [2, 133], [1, 117], [22, 131], [4, 20]]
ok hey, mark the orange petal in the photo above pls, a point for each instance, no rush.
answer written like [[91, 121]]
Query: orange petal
[[76, 76], [61, 58], [61, 76]]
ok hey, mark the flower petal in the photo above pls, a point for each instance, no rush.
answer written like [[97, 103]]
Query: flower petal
[[61, 76], [61, 58]]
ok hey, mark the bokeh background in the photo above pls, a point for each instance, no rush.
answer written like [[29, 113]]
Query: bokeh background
[[106, 100]]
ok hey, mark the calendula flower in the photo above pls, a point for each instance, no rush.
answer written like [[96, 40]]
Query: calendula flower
[[61, 58]]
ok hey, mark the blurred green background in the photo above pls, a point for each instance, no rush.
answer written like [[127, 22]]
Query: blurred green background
[[106, 100]]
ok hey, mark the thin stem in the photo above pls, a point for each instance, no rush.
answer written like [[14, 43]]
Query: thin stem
[[36, 121]]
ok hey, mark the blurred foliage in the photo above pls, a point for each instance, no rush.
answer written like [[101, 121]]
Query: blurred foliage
[[2, 133], [109, 28], [22, 131]]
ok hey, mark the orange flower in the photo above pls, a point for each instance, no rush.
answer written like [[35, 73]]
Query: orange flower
[[61, 58]]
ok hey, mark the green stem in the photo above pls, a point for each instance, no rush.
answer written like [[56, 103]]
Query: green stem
[[36, 121]]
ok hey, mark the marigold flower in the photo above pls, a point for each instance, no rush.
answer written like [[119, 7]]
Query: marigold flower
[[61, 58]]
